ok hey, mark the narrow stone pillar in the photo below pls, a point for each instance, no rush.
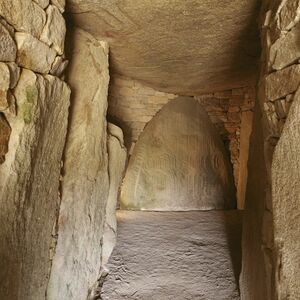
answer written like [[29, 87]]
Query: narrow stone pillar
[[246, 129]]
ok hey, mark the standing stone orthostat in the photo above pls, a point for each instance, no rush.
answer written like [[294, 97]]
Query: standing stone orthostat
[[179, 163]]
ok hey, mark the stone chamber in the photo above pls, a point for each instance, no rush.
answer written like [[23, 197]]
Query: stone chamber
[[149, 149]]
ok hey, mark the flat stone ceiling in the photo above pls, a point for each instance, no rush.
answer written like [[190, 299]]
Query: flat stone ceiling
[[184, 47]]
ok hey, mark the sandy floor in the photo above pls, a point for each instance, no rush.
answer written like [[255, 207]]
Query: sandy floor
[[175, 255]]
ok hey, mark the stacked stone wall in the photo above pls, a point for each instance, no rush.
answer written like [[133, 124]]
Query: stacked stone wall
[[227, 109], [132, 105]]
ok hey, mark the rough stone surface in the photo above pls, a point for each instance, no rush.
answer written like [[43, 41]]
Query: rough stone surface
[[286, 50], [117, 155], [179, 153], [24, 15], [59, 66], [4, 137], [54, 32], [281, 83], [289, 14], [225, 110], [42, 3], [132, 105], [253, 276], [8, 48], [180, 47], [33, 54], [286, 202], [60, 4], [246, 129], [175, 255], [4, 86], [85, 187], [29, 185], [14, 71]]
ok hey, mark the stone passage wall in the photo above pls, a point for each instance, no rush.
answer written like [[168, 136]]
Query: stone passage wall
[[279, 88], [132, 105], [85, 186], [34, 105], [278, 94], [231, 113], [179, 163], [117, 156]]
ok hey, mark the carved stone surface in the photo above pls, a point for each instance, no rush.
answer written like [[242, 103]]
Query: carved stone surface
[[85, 187], [180, 47], [179, 163]]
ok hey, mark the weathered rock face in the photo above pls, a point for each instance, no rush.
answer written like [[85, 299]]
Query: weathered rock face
[[8, 49], [4, 137], [34, 54], [230, 111], [54, 31], [24, 16], [271, 265], [85, 188], [117, 156], [179, 163], [29, 185], [254, 287], [33, 126], [180, 47], [286, 205]]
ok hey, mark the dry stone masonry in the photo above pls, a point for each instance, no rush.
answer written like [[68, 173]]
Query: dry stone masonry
[[132, 105], [231, 112]]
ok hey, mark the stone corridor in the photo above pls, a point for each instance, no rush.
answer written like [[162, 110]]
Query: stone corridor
[[175, 255]]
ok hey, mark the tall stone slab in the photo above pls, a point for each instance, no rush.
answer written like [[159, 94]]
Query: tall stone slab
[[286, 202], [85, 187], [117, 160], [179, 163], [29, 185]]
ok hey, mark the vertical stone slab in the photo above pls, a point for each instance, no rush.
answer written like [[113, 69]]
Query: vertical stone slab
[[254, 287], [117, 156], [85, 187], [29, 185], [179, 163], [246, 128], [286, 203]]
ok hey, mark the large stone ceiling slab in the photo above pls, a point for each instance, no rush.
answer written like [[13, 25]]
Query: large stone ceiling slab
[[179, 46]]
